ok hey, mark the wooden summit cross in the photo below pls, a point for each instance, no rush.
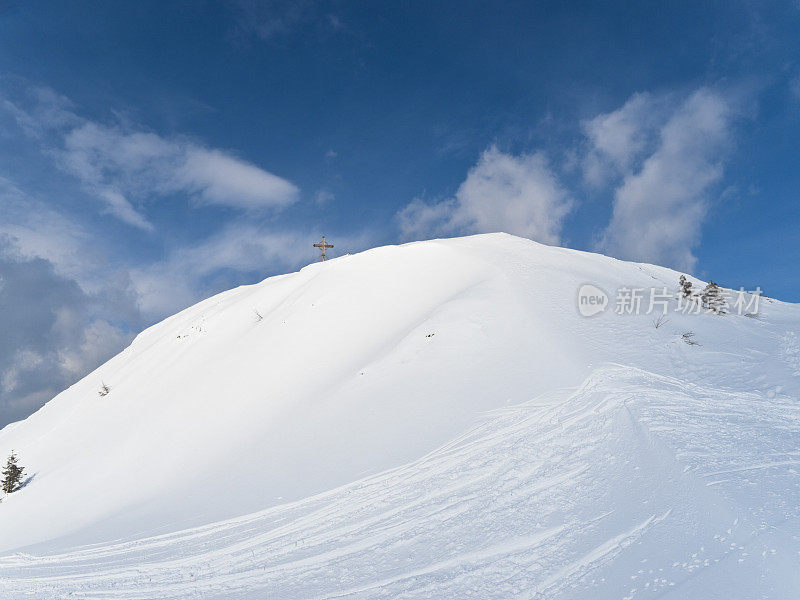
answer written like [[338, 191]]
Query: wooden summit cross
[[323, 245]]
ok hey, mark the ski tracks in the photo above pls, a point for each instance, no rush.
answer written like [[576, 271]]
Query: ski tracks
[[595, 496]]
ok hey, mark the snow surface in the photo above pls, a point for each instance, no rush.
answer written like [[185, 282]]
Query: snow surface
[[432, 420]]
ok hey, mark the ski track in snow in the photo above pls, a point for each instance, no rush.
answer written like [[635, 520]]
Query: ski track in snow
[[636, 486]]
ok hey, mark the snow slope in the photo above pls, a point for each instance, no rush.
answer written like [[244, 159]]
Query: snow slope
[[417, 421]]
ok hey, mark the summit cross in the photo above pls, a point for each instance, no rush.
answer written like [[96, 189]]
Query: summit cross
[[322, 246]]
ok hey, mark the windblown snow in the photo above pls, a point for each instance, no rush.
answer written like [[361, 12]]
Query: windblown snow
[[432, 420]]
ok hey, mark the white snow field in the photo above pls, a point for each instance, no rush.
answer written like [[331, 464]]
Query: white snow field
[[432, 420]]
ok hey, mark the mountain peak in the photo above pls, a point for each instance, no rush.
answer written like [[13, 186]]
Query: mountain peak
[[273, 393]]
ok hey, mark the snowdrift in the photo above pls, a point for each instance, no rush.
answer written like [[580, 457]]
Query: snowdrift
[[428, 420]]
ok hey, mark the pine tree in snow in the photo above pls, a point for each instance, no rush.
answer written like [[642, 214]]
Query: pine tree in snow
[[713, 299], [12, 474], [686, 286]]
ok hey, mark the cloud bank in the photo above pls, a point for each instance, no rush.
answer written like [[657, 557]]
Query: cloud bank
[[54, 332], [656, 158]]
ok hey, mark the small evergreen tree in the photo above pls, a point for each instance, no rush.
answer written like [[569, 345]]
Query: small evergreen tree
[[12, 474], [686, 286], [713, 299]]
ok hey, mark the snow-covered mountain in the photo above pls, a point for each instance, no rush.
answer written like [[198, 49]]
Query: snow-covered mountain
[[432, 420]]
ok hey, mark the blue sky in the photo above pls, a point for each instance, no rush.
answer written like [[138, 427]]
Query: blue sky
[[154, 153]]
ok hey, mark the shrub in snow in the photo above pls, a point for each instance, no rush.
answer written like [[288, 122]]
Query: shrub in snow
[[12, 474], [660, 320], [688, 338], [104, 389]]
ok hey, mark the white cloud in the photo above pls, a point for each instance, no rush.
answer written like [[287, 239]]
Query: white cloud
[[120, 207], [323, 196], [619, 138], [275, 19], [660, 205], [419, 218], [125, 167], [219, 178], [23, 360], [265, 20], [101, 340], [31, 229], [54, 331], [502, 192]]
